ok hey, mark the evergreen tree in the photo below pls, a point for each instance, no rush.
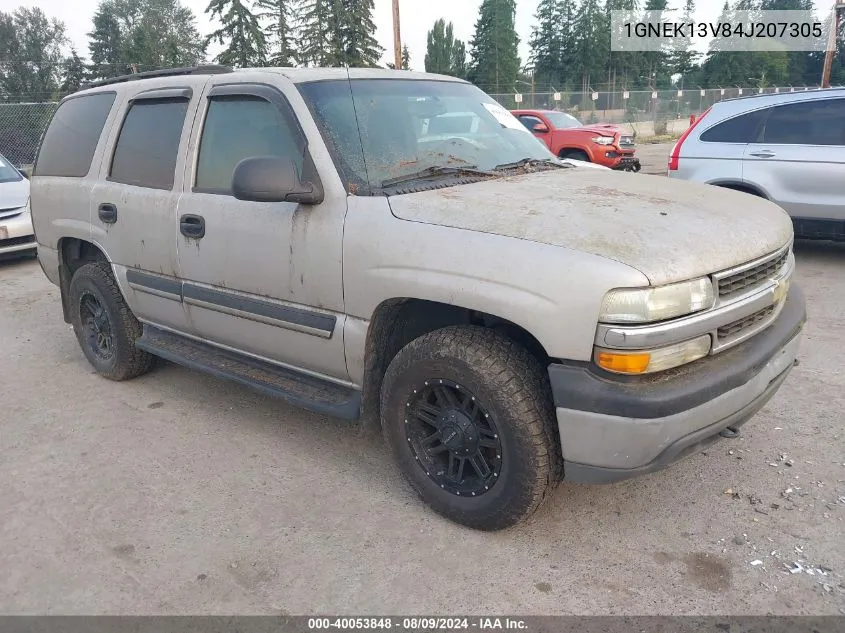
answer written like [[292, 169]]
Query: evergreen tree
[[339, 33], [591, 44], [568, 44], [656, 64], [246, 43], [406, 58], [74, 73], [683, 58], [444, 55], [358, 45], [315, 33], [546, 45], [495, 47], [279, 34], [143, 35], [623, 66], [105, 44]]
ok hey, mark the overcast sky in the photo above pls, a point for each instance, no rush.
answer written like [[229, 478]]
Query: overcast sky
[[417, 18]]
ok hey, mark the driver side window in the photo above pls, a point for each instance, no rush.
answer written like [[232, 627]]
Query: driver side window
[[530, 121], [238, 127]]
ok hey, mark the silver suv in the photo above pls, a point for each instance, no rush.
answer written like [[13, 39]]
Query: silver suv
[[507, 318], [788, 148]]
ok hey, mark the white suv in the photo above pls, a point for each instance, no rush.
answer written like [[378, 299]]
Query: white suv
[[788, 148]]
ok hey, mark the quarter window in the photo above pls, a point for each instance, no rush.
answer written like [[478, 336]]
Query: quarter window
[[148, 145], [809, 123], [71, 139], [740, 129], [238, 127]]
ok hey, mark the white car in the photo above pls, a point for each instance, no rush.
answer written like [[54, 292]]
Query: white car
[[16, 234]]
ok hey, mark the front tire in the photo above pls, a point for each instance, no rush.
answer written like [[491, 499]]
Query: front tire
[[468, 416], [104, 325]]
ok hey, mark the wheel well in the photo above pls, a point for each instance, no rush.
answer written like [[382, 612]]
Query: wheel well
[[397, 322], [743, 188], [73, 254], [567, 151]]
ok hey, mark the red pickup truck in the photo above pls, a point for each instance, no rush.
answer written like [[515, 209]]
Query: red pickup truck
[[567, 137]]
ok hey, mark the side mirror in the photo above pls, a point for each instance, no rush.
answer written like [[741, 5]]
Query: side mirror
[[541, 128], [272, 179]]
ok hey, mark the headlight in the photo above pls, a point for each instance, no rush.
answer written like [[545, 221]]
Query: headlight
[[604, 140], [647, 362], [646, 305]]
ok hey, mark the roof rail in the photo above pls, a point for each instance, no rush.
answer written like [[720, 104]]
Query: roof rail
[[209, 69]]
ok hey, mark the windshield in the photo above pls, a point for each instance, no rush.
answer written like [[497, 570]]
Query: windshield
[[7, 172], [383, 129], [562, 120]]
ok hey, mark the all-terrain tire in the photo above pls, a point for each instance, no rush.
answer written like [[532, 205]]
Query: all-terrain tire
[[94, 290], [511, 389]]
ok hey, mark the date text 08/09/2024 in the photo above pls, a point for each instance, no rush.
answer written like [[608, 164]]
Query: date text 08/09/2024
[[416, 624], [683, 30]]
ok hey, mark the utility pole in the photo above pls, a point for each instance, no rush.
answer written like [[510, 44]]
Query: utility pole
[[397, 35], [838, 12]]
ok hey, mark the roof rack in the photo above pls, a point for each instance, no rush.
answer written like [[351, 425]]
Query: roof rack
[[209, 69], [772, 94]]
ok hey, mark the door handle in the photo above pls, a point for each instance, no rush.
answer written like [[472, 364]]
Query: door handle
[[763, 154], [192, 226], [107, 213]]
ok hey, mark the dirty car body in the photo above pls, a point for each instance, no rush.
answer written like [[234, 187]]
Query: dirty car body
[[505, 317]]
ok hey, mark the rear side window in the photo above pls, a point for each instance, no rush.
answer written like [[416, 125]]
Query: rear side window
[[238, 127], [740, 129], [71, 139], [148, 145], [809, 123]]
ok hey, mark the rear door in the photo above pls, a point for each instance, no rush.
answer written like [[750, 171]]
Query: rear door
[[799, 160], [715, 156], [133, 205]]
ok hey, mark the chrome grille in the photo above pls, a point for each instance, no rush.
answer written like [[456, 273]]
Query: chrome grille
[[736, 283], [10, 213], [626, 141], [741, 325]]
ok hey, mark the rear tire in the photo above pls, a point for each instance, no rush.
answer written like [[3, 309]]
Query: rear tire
[[104, 325], [469, 418]]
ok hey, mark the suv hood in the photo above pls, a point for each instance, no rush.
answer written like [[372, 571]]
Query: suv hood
[[668, 230]]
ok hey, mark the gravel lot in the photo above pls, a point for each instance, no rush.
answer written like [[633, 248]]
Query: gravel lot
[[179, 493]]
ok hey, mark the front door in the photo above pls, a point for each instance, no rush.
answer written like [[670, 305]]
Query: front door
[[800, 158], [260, 278]]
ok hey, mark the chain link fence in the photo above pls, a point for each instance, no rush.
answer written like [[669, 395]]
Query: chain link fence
[[648, 113], [21, 127]]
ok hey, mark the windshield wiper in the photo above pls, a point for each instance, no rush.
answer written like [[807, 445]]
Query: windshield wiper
[[531, 162], [437, 172]]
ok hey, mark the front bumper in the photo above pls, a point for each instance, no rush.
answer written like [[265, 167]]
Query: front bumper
[[628, 163], [616, 428], [16, 235]]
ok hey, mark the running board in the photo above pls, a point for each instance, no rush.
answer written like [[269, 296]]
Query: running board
[[298, 389]]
